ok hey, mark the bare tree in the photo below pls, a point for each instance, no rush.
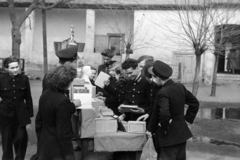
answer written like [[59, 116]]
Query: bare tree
[[17, 21], [196, 20]]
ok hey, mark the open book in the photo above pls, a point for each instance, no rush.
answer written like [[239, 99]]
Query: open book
[[127, 108]]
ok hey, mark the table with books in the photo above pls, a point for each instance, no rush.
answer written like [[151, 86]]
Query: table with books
[[99, 130]]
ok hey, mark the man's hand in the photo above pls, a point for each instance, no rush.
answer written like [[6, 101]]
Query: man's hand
[[120, 110], [77, 102], [102, 98], [143, 117], [107, 82], [137, 110], [99, 94], [149, 134], [122, 117], [189, 125]]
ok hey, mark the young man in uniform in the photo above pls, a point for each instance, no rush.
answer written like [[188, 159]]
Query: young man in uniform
[[138, 91], [16, 109], [168, 120]]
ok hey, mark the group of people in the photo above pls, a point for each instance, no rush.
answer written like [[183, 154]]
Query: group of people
[[161, 101], [143, 82]]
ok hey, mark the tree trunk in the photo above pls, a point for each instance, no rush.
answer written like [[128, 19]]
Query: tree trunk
[[127, 56], [214, 82], [196, 75], [44, 28], [16, 41]]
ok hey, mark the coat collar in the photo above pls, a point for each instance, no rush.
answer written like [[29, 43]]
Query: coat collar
[[170, 81], [10, 78], [138, 79]]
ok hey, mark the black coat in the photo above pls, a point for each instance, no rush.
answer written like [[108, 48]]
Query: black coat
[[117, 92], [16, 99], [53, 126], [138, 93], [171, 100]]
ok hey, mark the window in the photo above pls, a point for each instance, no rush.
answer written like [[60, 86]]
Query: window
[[116, 40], [103, 42]]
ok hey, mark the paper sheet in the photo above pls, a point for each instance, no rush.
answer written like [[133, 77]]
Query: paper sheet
[[101, 78]]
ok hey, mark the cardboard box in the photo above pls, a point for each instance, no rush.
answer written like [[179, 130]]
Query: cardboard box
[[88, 123], [82, 89], [106, 124], [136, 126], [106, 112]]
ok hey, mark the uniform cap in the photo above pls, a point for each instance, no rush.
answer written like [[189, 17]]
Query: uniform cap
[[109, 52], [161, 69], [68, 53]]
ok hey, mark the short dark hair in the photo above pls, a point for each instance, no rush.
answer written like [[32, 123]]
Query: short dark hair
[[145, 72], [130, 63], [9, 60], [60, 77], [147, 58]]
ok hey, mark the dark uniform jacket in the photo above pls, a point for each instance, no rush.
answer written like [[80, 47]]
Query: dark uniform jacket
[[138, 93], [16, 98], [53, 126], [117, 92], [171, 100]]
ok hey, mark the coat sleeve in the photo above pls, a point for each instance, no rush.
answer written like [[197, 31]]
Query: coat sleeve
[[153, 122], [28, 98], [38, 122], [193, 106], [64, 128], [161, 113]]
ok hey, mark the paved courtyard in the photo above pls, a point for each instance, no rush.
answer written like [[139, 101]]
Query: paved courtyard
[[216, 129]]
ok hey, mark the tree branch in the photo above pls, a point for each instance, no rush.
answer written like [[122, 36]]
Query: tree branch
[[40, 6], [27, 12], [12, 11]]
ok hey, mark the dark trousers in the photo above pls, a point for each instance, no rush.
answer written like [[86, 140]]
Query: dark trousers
[[175, 152], [13, 135], [76, 126]]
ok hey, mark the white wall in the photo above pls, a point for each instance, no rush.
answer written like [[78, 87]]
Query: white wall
[[59, 22], [112, 21]]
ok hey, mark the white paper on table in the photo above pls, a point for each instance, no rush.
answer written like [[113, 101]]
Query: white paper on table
[[101, 78], [85, 98]]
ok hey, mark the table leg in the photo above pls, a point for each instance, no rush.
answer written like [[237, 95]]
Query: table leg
[[84, 144], [138, 155]]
